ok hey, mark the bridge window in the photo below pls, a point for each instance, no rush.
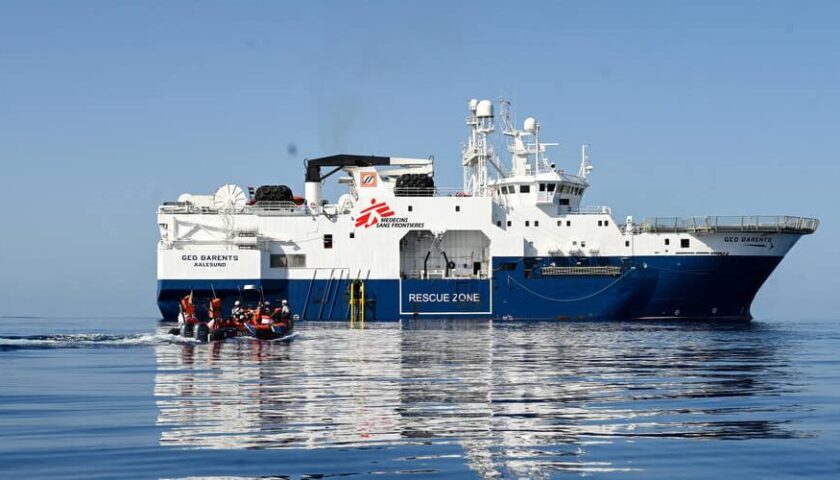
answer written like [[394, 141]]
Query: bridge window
[[498, 223], [524, 189], [563, 201], [527, 223], [542, 187], [551, 187], [684, 242], [600, 223], [536, 223], [568, 223], [509, 223]]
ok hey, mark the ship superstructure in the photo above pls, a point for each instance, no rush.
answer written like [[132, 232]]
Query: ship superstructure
[[513, 242]]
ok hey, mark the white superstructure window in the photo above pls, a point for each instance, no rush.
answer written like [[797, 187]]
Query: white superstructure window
[[296, 260]]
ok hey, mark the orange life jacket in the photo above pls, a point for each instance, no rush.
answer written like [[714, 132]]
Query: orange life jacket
[[216, 308], [187, 307]]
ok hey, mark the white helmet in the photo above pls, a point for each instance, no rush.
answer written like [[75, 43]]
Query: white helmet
[[285, 302], [236, 303], [267, 303]]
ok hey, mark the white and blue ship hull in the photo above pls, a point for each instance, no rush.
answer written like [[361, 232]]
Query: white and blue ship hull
[[647, 287]]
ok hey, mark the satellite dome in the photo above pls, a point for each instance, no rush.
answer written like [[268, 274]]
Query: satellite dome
[[484, 109], [531, 124], [473, 104]]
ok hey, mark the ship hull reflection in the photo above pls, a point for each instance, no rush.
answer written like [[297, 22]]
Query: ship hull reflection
[[521, 400]]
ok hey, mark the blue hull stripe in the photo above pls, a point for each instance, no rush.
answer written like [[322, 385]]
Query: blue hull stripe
[[645, 287]]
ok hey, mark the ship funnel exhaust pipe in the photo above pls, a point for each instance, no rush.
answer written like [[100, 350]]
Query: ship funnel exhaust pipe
[[312, 193]]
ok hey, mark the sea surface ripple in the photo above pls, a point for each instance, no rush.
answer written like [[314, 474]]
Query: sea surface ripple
[[423, 399]]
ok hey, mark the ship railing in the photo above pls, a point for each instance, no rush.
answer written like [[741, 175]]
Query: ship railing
[[430, 192], [259, 208], [182, 207], [714, 224], [277, 208], [587, 210]]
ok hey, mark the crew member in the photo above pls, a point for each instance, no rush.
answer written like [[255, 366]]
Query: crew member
[[256, 313], [265, 311], [283, 316], [187, 308], [236, 311], [285, 312], [216, 309]]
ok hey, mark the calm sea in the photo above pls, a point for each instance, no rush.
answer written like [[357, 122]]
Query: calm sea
[[118, 398]]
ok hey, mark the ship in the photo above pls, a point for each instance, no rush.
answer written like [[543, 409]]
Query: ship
[[513, 242]]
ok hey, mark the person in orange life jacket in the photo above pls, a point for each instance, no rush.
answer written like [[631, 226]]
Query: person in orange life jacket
[[187, 307], [258, 312], [215, 312], [264, 311]]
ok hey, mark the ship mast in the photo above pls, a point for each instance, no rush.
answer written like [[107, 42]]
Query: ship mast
[[478, 152], [585, 166]]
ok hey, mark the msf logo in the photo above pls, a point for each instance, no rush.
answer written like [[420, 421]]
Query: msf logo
[[371, 215]]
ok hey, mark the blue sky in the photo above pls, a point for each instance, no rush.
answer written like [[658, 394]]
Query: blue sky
[[691, 108]]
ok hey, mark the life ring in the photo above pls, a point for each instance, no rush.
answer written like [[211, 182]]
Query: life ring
[[450, 265]]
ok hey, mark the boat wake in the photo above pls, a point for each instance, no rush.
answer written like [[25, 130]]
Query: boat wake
[[87, 340]]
